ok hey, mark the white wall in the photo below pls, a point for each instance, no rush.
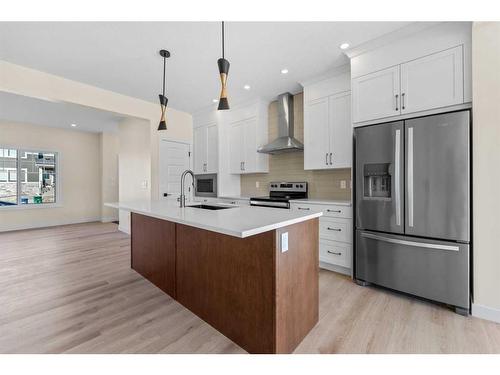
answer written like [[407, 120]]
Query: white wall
[[486, 167], [134, 163], [110, 148], [79, 173], [33, 83]]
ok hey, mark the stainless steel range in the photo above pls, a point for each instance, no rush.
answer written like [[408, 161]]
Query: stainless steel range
[[280, 194]]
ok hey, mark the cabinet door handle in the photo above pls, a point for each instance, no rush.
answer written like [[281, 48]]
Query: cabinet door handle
[[333, 252], [303, 208], [330, 158], [397, 96], [243, 165], [336, 211], [326, 158], [403, 100], [334, 229]]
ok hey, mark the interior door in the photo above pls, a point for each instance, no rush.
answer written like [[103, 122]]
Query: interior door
[[200, 149], [432, 81], [340, 131], [316, 139], [174, 159], [212, 149], [376, 95], [236, 154], [438, 176], [379, 177]]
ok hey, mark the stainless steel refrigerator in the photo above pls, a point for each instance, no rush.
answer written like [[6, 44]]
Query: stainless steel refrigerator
[[413, 207]]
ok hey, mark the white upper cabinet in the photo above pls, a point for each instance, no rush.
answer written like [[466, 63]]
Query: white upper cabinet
[[376, 95], [205, 147], [327, 124], [432, 81], [316, 140], [403, 75], [340, 130], [236, 146], [247, 132]]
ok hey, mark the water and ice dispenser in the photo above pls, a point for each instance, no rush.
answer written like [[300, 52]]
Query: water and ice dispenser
[[377, 181]]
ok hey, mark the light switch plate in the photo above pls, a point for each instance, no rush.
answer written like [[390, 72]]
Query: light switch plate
[[284, 242]]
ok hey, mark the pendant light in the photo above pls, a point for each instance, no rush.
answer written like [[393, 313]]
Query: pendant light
[[163, 99], [223, 71]]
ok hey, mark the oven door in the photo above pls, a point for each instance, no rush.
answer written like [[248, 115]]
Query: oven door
[[205, 185]]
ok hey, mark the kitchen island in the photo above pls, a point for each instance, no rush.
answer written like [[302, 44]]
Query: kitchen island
[[250, 272]]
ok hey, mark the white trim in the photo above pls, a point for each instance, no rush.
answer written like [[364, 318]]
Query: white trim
[[109, 219], [435, 111], [335, 268], [8, 228], [485, 312]]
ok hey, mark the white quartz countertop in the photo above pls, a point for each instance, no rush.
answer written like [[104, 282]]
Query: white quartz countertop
[[323, 201], [238, 221]]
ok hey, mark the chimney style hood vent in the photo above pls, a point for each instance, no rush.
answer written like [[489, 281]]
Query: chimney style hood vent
[[285, 141]]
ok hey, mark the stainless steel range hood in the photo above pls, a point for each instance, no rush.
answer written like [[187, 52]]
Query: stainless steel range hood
[[285, 141]]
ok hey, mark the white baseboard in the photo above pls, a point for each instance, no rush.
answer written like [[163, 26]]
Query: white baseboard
[[335, 268], [8, 228], [109, 219], [485, 312]]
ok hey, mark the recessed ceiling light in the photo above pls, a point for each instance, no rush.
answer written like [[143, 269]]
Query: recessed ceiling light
[[215, 100], [73, 125], [344, 46], [246, 87], [284, 71]]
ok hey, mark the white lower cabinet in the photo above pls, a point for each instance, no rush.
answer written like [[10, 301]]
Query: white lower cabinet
[[335, 234]]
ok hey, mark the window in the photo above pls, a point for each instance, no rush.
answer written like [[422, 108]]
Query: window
[[38, 177]]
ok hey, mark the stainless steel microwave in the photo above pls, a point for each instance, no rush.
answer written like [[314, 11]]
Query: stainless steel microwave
[[205, 185]]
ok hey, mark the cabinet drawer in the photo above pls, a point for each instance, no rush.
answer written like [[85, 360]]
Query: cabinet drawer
[[337, 211], [335, 253], [335, 229]]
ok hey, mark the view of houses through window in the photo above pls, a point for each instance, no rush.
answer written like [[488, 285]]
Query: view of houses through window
[[27, 177]]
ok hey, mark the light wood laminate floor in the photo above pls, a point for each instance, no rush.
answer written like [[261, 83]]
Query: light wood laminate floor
[[70, 289]]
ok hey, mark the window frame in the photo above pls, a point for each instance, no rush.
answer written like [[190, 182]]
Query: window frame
[[58, 162]]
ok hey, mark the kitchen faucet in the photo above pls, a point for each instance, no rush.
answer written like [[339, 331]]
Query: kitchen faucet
[[182, 198]]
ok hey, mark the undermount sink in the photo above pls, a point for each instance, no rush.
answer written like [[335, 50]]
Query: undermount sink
[[209, 207]]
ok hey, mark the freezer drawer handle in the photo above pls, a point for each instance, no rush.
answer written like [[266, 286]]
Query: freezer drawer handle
[[335, 229], [410, 243], [333, 252]]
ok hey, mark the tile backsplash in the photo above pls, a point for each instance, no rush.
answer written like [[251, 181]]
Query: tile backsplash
[[323, 184]]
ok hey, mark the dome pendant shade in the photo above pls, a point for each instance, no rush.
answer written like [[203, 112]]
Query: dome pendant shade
[[223, 71]]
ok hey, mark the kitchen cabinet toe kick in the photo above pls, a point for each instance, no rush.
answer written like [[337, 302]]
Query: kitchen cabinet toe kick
[[252, 290]]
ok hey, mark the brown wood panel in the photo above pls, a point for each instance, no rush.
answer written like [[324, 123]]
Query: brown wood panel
[[297, 289], [229, 282], [153, 251]]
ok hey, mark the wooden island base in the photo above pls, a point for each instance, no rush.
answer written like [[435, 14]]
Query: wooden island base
[[263, 299]]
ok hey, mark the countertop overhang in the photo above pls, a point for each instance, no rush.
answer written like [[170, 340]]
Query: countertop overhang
[[237, 221]]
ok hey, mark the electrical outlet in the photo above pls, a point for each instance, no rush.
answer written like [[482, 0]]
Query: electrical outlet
[[343, 184], [284, 242], [257, 184], [144, 184]]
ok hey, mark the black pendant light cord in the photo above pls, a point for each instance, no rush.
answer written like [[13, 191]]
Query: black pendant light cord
[[164, 69], [222, 39]]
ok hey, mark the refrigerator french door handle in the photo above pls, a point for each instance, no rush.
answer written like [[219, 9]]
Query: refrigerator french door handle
[[410, 177], [410, 243], [397, 177]]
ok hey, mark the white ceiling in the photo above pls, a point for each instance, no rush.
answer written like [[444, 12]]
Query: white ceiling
[[60, 115], [123, 56]]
